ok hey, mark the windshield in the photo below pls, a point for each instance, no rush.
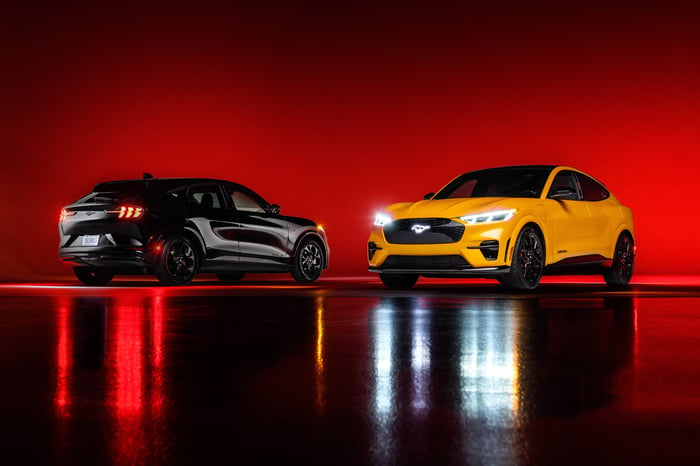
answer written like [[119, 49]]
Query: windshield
[[525, 181]]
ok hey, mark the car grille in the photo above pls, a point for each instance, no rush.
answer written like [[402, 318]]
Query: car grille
[[423, 231], [425, 262]]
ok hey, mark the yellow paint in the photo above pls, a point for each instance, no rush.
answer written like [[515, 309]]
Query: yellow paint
[[577, 227]]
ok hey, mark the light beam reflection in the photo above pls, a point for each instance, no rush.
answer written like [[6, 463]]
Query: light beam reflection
[[481, 381], [488, 370], [110, 352], [382, 409], [420, 361], [127, 384], [64, 359], [320, 363]]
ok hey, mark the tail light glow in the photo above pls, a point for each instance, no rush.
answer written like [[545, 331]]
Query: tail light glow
[[65, 213], [127, 211]]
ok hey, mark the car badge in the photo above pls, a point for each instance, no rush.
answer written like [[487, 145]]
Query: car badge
[[418, 229], [89, 212]]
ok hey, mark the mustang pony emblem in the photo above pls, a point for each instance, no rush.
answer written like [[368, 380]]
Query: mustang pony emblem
[[418, 229]]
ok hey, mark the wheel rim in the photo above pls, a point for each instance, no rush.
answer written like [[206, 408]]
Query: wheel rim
[[310, 260], [530, 257], [181, 261], [624, 258]]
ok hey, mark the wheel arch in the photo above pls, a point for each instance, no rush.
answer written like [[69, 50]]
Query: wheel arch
[[527, 221], [622, 229], [190, 233], [315, 235]]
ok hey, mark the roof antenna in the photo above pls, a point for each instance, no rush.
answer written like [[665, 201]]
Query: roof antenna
[[147, 176]]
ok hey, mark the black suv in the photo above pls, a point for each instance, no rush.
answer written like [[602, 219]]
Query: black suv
[[177, 227]]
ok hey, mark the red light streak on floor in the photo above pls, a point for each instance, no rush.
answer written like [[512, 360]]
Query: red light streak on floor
[[157, 341], [127, 384], [64, 360]]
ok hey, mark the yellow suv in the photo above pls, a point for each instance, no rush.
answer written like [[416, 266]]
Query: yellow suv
[[513, 224]]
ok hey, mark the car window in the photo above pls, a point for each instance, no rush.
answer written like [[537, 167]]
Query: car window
[[527, 181], [465, 189], [205, 197], [246, 203], [591, 189], [564, 179]]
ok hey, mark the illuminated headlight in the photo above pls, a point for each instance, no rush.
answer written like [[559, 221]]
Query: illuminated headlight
[[489, 217], [381, 219]]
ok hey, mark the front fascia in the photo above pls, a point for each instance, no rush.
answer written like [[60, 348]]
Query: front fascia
[[467, 247]]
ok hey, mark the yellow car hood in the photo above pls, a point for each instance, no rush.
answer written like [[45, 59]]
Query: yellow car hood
[[452, 208]]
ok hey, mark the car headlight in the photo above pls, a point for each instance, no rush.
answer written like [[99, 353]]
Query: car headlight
[[381, 219], [489, 217]]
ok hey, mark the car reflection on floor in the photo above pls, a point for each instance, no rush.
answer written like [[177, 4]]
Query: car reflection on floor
[[142, 376]]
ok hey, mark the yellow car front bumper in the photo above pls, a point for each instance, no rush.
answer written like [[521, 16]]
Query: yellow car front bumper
[[482, 250]]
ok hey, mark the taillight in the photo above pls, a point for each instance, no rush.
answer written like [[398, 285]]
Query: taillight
[[65, 213], [128, 211]]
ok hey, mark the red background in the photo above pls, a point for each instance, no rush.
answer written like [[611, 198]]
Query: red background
[[335, 113]]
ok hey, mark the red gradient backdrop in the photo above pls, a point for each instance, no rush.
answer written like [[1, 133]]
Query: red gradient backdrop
[[334, 113]]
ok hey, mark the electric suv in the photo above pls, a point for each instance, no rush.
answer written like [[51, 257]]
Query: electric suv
[[513, 224], [178, 227]]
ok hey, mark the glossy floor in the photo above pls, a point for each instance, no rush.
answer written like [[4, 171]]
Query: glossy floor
[[349, 374]]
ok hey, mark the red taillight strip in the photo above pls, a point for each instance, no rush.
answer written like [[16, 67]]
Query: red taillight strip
[[127, 211], [65, 213]]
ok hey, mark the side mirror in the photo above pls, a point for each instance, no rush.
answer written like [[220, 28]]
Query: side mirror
[[564, 193], [428, 196], [275, 209]]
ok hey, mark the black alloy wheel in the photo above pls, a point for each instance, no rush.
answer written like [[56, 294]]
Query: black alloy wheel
[[230, 277], [93, 276], [178, 262], [399, 281], [528, 261], [622, 268], [308, 261]]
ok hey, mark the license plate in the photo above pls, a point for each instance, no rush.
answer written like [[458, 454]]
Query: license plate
[[91, 240]]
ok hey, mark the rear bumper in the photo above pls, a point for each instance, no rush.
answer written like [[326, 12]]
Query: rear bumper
[[119, 258]]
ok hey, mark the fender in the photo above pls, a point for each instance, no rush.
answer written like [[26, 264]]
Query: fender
[[192, 233], [525, 220]]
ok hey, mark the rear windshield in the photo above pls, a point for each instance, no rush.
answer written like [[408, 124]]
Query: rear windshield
[[121, 187], [121, 191], [525, 181]]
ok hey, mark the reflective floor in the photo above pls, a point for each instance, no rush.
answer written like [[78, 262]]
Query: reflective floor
[[349, 373]]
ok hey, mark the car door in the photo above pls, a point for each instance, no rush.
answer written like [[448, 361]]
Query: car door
[[216, 222], [568, 219], [263, 236], [604, 214]]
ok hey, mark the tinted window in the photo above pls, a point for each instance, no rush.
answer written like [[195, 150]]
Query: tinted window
[[592, 190], [246, 203], [176, 194], [498, 182], [564, 180], [204, 197], [118, 191]]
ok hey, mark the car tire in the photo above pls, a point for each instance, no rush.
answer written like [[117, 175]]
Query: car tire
[[528, 261], [399, 281], [178, 262], [308, 261], [230, 277], [622, 268], [93, 276]]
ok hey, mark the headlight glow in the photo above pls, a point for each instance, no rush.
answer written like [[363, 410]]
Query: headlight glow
[[381, 219], [489, 217]]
